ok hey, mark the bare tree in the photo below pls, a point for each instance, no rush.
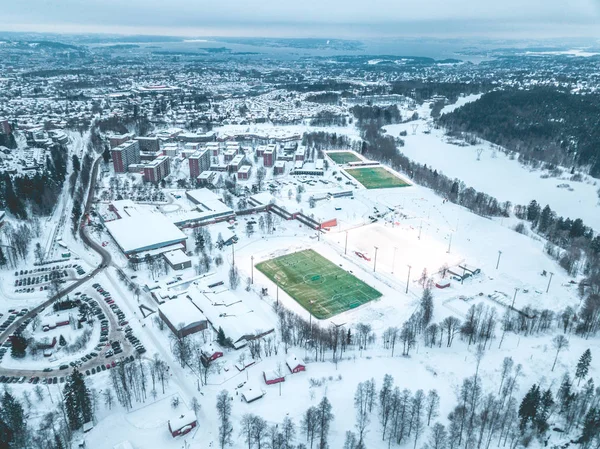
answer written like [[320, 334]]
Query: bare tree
[[224, 413], [559, 342], [432, 406]]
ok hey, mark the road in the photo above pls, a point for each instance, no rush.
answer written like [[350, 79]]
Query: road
[[106, 260]]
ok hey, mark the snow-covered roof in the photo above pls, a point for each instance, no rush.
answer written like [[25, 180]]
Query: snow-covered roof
[[183, 420], [272, 374], [293, 361], [245, 169], [252, 394], [58, 317], [181, 311], [210, 348], [144, 231], [226, 310], [176, 257]]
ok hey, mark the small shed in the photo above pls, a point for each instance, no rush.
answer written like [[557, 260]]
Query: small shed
[[210, 352], [273, 377], [87, 426], [252, 394], [295, 364], [182, 425], [442, 283]]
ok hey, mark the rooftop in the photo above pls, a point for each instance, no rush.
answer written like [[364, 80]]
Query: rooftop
[[144, 231], [181, 311]]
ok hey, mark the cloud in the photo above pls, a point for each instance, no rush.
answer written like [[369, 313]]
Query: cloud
[[346, 17]]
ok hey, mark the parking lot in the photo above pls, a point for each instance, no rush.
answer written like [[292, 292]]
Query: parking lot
[[117, 342]]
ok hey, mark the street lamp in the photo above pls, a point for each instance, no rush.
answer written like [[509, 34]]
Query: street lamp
[[549, 280], [512, 306], [498, 263], [252, 268], [346, 245], [375, 260], [408, 278]]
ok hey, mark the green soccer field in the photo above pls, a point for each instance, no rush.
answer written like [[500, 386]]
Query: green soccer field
[[343, 157], [321, 287], [376, 178]]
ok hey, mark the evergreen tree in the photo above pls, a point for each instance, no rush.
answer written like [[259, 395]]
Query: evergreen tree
[[106, 155], [591, 427], [426, 307], [13, 416], [62, 341], [529, 407], [221, 339], [565, 395], [76, 163], [545, 406], [19, 346], [545, 219], [78, 403], [6, 434], [583, 366], [11, 199], [3, 260], [533, 212]]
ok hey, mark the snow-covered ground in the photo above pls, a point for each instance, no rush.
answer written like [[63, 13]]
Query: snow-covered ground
[[499, 176]]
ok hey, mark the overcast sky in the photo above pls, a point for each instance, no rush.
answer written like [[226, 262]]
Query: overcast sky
[[308, 18]]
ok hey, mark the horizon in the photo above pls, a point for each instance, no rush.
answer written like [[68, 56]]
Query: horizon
[[334, 19]]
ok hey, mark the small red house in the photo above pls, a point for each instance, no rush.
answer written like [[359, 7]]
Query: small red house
[[273, 377], [210, 352], [182, 425], [295, 364], [442, 283]]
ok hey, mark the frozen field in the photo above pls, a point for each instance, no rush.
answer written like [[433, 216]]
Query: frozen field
[[501, 177]]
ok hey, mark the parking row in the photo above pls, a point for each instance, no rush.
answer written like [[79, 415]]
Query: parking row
[[116, 347], [61, 379], [12, 316]]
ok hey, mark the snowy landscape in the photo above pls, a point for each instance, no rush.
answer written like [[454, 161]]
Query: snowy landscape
[[223, 255]]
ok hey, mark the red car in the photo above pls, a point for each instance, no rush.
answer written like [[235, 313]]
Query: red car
[[362, 256]]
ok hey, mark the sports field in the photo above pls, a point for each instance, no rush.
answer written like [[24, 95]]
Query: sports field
[[309, 277], [343, 157], [376, 178]]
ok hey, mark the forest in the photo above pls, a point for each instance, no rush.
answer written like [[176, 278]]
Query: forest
[[541, 124]]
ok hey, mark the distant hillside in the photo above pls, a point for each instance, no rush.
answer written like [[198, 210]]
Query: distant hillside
[[542, 124]]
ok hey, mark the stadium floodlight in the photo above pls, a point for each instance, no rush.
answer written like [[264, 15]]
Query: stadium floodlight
[[375, 260], [549, 280]]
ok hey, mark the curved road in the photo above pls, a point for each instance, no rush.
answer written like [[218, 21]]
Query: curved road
[[106, 260]]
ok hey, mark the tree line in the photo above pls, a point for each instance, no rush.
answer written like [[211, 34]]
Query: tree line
[[543, 123]]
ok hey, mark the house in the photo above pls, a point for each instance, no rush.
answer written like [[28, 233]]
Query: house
[[252, 394], [182, 317], [273, 377], [210, 352], [177, 259], [442, 283], [295, 364], [182, 425], [87, 426]]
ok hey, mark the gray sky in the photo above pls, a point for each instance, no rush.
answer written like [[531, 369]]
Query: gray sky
[[308, 18]]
